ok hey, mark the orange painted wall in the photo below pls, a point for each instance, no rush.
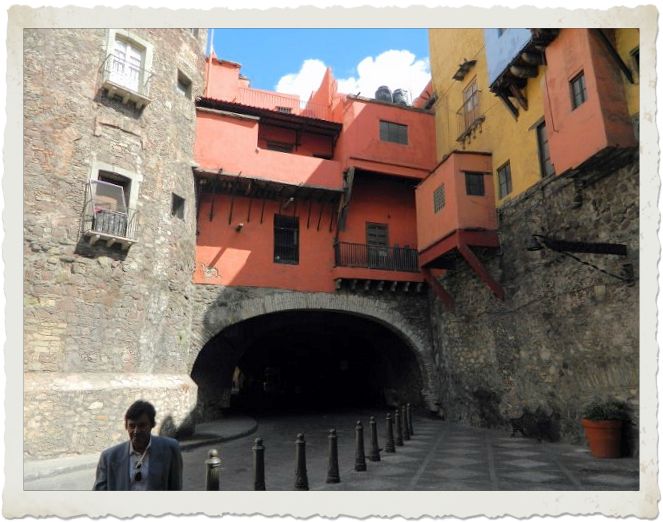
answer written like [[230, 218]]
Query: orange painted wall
[[460, 210], [380, 200], [227, 257], [231, 143], [602, 120], [360, 144], [222, 80]]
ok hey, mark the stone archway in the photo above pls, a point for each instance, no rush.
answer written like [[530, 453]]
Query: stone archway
[[407, 317]]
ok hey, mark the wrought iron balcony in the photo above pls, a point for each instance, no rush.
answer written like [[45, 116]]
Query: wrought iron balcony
[[469, 117], [401, 259], [106, 218], [126, 80]]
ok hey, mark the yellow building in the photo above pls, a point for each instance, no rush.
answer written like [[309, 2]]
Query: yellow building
[[491, 87], [470, 117]]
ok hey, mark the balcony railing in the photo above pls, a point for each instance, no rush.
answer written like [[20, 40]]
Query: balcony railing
[[377, 257], [285, 104], [106, 218], [469, 116], [126, 80]]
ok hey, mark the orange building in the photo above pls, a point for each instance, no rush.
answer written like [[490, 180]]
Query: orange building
[[306, 195]]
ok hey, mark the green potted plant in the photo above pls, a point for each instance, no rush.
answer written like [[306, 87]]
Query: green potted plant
[[603, 420]]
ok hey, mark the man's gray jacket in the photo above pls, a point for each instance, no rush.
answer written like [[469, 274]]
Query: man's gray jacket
[[165, 468]]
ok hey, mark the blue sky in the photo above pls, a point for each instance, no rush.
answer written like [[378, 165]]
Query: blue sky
[[269, 55]]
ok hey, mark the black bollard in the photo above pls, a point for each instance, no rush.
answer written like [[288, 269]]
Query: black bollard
[[258, 465], [333, 476], [360, 457], [301, 478], [399, 429], [374, 455], [213, 469], [405, 423], [409, 418], [389, 446]]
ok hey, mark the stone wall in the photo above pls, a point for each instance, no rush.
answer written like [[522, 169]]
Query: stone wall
[[408, 315], [91, 311], [565, 332]]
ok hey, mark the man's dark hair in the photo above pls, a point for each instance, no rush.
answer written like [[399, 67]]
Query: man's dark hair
[[138, 408]]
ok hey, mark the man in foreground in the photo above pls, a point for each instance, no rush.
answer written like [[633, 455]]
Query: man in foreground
[[145, 462]]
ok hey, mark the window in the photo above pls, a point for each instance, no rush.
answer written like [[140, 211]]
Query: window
[[470, 103], [504, 179], [126, 69], [394, 132], [286, 239], [280, 146], [439, 199], [286, 110], [127, 64], [177, 206], [183, 84], [546, 165], [578, 90], [111, 199], [377, 245], [474, 184]]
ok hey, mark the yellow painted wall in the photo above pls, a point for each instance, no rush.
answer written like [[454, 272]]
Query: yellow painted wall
[[501, 134], [626, 41]]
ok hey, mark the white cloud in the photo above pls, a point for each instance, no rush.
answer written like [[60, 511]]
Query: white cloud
[[305, 81], [395, 69]]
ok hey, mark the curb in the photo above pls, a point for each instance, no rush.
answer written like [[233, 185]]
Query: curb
[[91, 464], [193, 444]]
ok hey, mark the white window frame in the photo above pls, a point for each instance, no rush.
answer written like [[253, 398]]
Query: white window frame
[[129, 92]]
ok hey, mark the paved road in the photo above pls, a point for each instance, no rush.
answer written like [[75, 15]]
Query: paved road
[[440, 456]]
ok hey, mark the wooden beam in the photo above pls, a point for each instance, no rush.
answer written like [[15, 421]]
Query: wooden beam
[[338, 283], [518, 95], [367, 285], [393, 286], [439, 290], [354, 284], [480, 270], [380, 286]]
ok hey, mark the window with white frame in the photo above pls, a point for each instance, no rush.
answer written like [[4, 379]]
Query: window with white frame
[[127, 67]]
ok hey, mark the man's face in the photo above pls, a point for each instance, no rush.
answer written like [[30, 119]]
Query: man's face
[[139, 431]]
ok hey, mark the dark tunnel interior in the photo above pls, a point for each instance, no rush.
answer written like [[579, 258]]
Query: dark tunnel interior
[[305, 360]]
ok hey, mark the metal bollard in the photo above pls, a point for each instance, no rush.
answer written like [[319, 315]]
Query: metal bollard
[[399, 429], [213, 468], [258, 465], [389, 446], [333, 476], [405, 423], [301, 478], [374, 455], [409, 418], [360, 457]]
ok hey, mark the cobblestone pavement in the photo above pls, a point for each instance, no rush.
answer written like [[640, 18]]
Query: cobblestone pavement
[[440, 456]]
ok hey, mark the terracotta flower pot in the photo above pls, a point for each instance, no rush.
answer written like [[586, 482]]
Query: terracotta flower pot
[[604, 437]]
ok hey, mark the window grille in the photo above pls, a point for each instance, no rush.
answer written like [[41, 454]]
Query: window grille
[[474, 184], [439, 199], [286, 110], [578, 90], [286, 239], [393, 132], [504, 179]]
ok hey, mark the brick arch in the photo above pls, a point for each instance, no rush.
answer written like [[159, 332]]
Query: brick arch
[[379, 310]]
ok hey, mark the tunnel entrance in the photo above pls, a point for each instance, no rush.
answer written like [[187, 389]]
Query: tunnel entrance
[[304, 360]]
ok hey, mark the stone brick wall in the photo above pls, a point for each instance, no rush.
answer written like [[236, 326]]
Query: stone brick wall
[[90, 311], [565, 332], [216, 308]]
